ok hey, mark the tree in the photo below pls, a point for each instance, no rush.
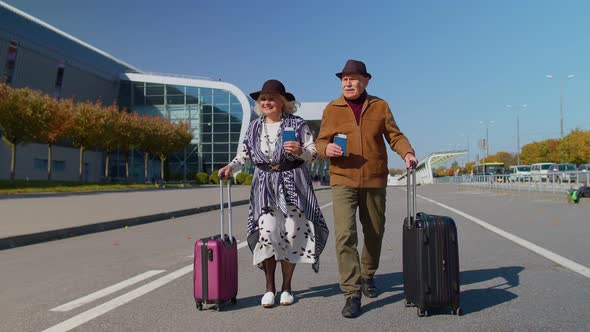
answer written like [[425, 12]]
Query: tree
[[108, 128], [173, 137], [469, 167], [20, 118], [441, 171], [84, 131], [575, 147], [128, 135], [552, 146], [531, 153], [57, 117], [147, 138], [537, 152]]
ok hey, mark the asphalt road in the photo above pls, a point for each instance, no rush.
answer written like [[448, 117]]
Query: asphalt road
[[504, 286]]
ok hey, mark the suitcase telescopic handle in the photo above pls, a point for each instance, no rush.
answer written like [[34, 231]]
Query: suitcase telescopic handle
[[411, 193], [229, 216]]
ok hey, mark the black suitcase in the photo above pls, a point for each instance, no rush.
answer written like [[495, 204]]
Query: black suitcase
[[430, 258]]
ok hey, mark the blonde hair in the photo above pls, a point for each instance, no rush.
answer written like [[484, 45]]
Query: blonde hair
[[288, 106]]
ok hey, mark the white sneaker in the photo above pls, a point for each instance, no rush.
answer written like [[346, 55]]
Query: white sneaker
[[268, 300], [287, 298]]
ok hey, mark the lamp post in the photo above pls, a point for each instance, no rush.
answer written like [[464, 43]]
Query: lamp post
[[467, 146], [487, 143], [561, 83], [517, 132]]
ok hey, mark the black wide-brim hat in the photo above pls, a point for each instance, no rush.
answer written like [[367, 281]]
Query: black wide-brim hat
[[273, 86], [354, 67]]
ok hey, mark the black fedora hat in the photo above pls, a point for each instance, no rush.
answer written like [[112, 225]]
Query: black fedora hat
[[354, 67], [273, 86]]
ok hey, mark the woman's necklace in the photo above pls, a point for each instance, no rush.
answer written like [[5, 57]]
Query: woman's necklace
[[270, 142]]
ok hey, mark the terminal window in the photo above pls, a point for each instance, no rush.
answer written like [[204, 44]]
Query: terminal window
[[59, 79], [10, 62]]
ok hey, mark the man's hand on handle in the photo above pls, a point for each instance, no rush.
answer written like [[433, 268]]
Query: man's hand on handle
[[411, 161]]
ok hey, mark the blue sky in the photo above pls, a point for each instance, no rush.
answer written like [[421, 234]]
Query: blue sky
[[443, 66]]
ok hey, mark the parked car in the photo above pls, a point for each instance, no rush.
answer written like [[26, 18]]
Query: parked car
[[519, 173], [562, 173], [584, 173], [539, 171]]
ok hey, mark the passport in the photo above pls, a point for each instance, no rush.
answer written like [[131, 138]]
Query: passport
[[288, 134], [340, 140]]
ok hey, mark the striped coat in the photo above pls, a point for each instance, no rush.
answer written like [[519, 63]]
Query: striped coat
[[282, 189]]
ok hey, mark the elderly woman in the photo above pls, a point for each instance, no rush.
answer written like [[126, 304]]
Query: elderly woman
[[284, 221]]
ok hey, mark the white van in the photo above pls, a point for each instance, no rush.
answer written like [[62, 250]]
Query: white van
[[539, 171], [520, 173]]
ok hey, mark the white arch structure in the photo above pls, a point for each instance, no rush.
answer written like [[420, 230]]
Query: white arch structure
[[424, 168]]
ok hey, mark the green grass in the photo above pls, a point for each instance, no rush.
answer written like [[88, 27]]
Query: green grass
[[22, 186]]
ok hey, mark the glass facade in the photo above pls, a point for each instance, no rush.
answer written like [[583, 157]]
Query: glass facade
[[214, 115]]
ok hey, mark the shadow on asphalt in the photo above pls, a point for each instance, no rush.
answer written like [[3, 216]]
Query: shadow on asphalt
[[475, 300], [472, 300], [391, 282]]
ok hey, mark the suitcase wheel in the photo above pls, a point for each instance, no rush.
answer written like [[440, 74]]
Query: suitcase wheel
[[199, 306], [457, 311], [408, 304], [219, 307], [234, 300], [422, 312]]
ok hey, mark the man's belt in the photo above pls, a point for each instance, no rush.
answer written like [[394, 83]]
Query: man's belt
[[280, 167]]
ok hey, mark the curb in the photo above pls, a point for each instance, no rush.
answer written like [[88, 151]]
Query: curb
[[58, 234]]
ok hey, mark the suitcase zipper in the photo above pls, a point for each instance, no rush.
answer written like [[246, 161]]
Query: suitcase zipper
[[205, 271], [444, 279]]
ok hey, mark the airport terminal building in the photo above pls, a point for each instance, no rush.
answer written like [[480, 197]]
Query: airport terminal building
[[37, 55]]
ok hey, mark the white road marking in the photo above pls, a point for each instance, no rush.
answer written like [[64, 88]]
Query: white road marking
[[119, 301], [127, 297], [106, 291], [568, 263]]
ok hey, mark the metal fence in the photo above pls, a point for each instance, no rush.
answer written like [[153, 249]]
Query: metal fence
[[523, 183]]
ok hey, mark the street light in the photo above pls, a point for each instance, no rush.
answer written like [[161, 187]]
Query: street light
[[561, 83], [487, 142], [467, 146], [517, 133]]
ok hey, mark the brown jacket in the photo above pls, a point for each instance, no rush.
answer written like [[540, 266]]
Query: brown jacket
[[365, 165]]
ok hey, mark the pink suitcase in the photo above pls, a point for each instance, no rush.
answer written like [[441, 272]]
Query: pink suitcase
[[216, 264]]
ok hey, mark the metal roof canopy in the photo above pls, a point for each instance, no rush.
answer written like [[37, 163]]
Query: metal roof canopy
[[424, 168]]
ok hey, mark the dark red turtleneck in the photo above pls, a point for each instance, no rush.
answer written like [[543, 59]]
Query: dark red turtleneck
[[357, 105]]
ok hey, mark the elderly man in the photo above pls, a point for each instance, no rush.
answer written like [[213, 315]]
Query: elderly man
[[358, 178]]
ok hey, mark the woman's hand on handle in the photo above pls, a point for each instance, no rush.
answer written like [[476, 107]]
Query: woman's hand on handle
[[225, 172]]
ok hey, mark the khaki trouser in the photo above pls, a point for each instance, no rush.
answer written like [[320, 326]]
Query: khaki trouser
[[371, 206]]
